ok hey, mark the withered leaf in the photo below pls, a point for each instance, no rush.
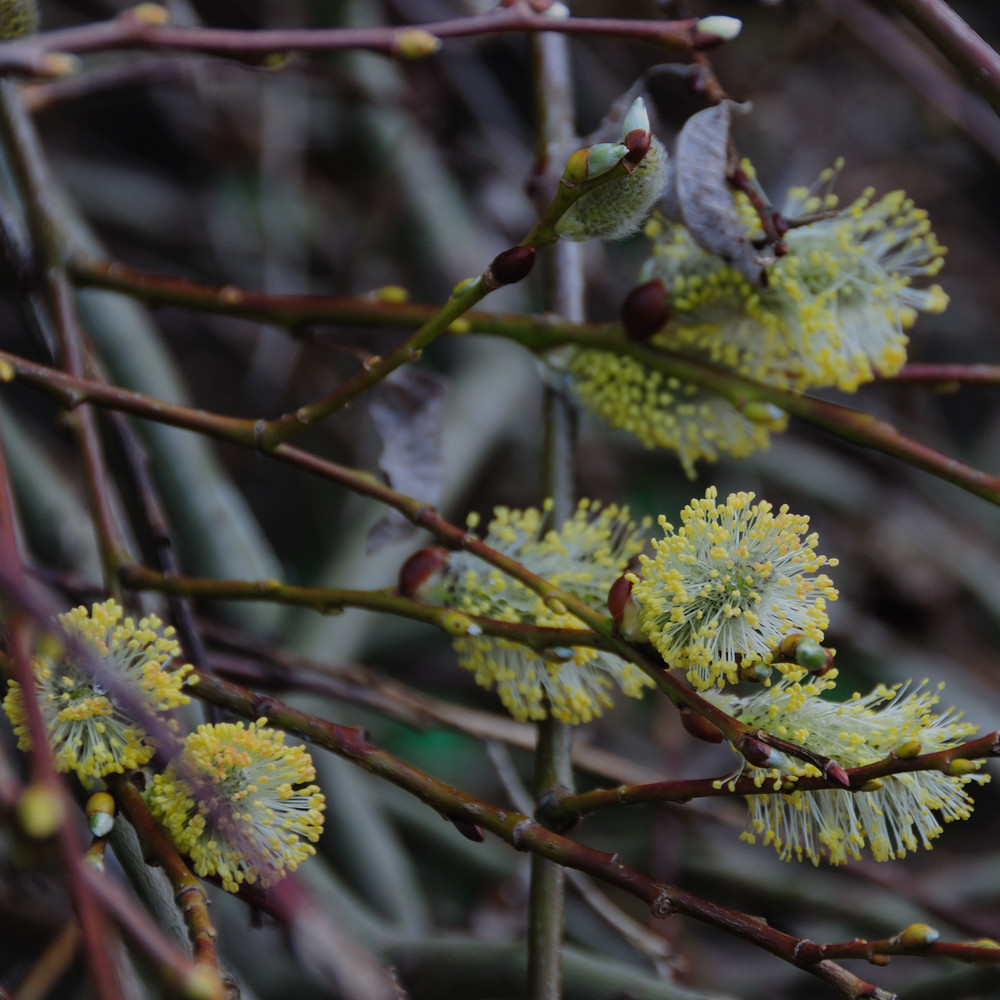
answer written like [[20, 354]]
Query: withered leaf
[[698, 194], [407, 409]]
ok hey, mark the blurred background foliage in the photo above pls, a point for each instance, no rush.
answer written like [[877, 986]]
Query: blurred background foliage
[[340, 173]]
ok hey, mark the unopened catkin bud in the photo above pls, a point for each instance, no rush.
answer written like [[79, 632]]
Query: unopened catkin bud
[[645, 310], [699, 727], [624, 609], [18, 18], [422, 575], [618, 208], [510, 266]]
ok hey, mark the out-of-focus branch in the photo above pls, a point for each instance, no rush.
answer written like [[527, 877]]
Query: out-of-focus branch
[[145, 27], [525, 834], [910, 60], [964, 49]]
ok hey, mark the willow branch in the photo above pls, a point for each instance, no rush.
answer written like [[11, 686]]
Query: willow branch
[[573, 806], [522, 832], [542, 333], [144, 28], [188, 893], [73, 391]]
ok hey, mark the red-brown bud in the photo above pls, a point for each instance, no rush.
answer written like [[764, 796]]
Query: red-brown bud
[[423, 573], [624, 609], [637, 142], [757, 752], [510, 266], [699, 727], [645, 310], [835, 773], [468, 830]]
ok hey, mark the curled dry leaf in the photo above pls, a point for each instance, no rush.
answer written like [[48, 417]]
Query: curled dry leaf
[[698, 194], [407, 410]]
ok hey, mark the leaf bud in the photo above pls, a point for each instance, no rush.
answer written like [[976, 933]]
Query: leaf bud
[[458, 625], [723, 28], [699, 727], [602, 157], [911, 748], [415, 43], [100, 813], [470, 831], [510, 266], [645, 310], [917, 936], [872, 785], [422, 575], [768, 414], [576, 167]]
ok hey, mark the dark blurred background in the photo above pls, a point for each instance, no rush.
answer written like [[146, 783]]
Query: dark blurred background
[[341, 173]]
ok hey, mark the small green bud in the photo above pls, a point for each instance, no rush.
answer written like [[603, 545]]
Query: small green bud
[[764, 413], [724, 28], [18, 18], [458, 625], [415, 43], [756, 673], [602, 157], [959, 767], [576, 167], [872, 785], [911, 748], [918, 936]]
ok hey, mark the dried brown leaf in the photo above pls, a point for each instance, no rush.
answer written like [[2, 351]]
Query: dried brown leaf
[[407, 409]]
